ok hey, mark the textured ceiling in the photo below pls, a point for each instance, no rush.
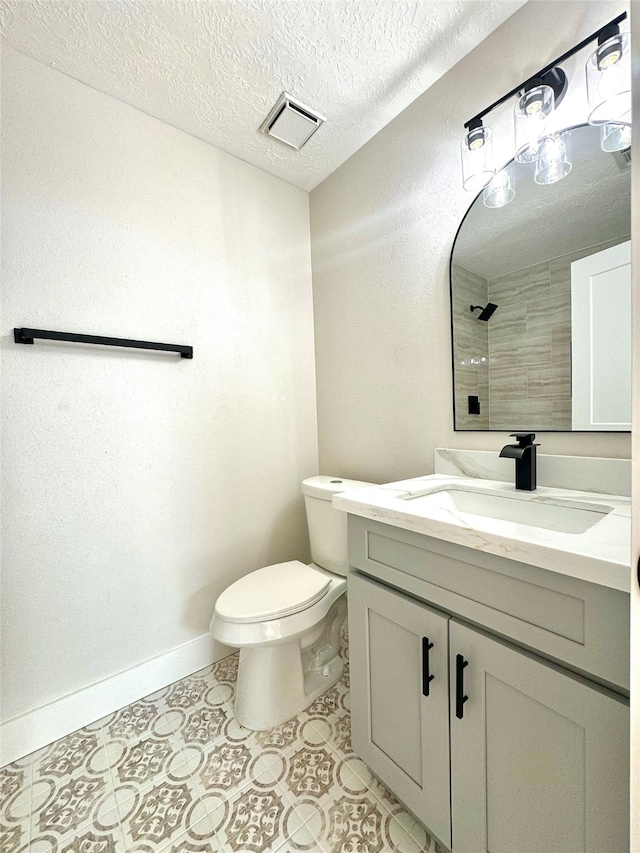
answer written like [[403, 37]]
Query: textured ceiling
[[214, 68]]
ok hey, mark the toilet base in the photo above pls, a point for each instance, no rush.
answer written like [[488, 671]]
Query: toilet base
[[276, 682], [258, 705]]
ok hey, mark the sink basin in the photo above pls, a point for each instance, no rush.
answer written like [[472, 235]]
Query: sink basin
[[546, 513]]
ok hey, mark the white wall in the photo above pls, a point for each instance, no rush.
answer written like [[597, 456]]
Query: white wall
[[382, 229], [137, 486]]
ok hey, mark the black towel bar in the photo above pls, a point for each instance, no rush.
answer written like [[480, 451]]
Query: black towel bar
[[26, 336]]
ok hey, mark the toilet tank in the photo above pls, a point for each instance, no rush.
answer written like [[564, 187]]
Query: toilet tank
[[328, 526]]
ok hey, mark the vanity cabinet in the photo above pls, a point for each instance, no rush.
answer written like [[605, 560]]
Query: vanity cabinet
[[400, 697], [494, 746], [539, 759]]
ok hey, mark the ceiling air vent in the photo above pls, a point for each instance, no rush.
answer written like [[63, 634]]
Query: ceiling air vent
[[291, 121]]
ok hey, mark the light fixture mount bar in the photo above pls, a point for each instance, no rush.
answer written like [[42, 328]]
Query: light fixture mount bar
[[554, 78], [550, 75]]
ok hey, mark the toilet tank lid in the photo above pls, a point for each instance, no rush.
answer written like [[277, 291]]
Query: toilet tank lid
[[324, 486]]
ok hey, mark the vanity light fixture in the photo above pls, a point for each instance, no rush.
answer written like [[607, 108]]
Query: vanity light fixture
[[608, 89], [609, 77], [501, 189], [615, 137], [554, 158], [477, 157], [532, 109]]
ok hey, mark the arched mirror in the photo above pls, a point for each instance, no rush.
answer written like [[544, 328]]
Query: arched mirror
[[541, 300]]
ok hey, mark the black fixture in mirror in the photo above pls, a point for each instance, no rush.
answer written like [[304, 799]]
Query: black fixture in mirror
[[486, 312]]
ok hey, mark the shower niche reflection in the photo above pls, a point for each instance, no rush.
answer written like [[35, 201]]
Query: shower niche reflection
[[540, 301]]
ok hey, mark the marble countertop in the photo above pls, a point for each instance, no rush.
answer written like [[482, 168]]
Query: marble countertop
[[599, 555]]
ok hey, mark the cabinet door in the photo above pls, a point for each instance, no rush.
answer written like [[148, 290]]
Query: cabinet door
[[539, 758], [399, 697]]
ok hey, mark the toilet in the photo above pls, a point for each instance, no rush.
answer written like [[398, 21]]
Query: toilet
[[286, 618]]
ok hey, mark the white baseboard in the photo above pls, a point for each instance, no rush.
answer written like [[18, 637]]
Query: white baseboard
[[34, 729]]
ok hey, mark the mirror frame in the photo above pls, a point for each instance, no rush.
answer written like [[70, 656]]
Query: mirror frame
[[453, 356]]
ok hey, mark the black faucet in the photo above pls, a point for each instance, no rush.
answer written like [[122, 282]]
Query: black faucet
[[524, 452]]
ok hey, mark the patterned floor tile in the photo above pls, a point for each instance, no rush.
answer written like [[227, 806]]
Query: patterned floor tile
[[213, 686], [162, 814], [176, 773], [71, 780], [142, 763], [69, 754], [226, 670], [416, 839], [280, 737], [258, 818], [354, 772], [104, 835], [204, 725], [187, 843], [132, 723], [332, 719], [66, 807], [15, 805], [345, 822], [14, 778], [228, 763], [14, 837]]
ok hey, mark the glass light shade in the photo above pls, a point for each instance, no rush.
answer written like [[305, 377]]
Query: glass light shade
[[501, 189], [531, 112], [554, 158], [477, 159], [615, 137], [608, 72]]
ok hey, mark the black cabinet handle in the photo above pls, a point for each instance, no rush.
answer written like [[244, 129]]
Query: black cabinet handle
[[426, 678], [460, 697]]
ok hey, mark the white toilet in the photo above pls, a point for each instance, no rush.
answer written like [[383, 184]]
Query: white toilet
[[286, 618]]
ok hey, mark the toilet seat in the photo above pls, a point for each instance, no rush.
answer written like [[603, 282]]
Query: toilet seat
[[272, 593]]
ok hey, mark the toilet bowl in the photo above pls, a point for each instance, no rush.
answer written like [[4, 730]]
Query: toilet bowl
[[286, 618]]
